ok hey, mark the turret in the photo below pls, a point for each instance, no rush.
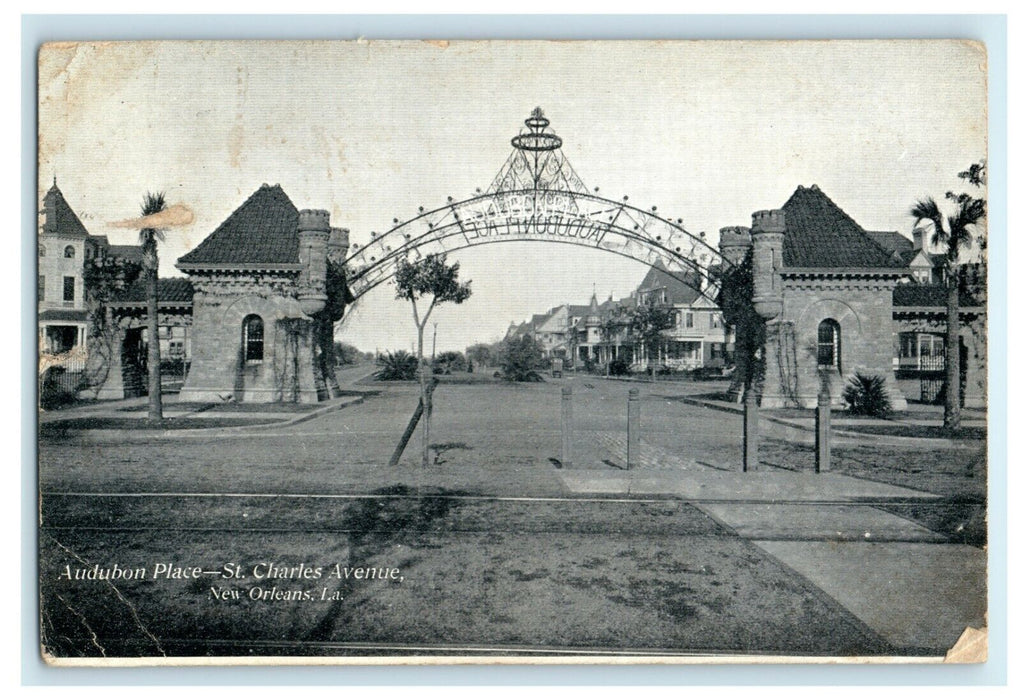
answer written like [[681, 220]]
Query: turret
[[313, 235], [593, 312], [338, 245], [734, 243], [768, 228], [50, 209]]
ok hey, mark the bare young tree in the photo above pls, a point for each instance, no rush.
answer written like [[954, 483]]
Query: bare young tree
[[428, 283]]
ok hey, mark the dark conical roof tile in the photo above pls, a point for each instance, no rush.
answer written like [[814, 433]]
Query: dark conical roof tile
[[262, 231], [821, 234]]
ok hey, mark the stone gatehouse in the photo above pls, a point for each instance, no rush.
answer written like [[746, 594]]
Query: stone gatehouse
[[825, 288], [259, 279]]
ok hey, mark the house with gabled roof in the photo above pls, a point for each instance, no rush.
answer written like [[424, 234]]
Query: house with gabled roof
[[258, 280], [825, 287], [697, 337]]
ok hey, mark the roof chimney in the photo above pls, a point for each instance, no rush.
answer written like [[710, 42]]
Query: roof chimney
[[918, 235]]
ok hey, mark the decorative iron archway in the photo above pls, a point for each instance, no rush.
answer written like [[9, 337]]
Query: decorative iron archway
[[537, 196]]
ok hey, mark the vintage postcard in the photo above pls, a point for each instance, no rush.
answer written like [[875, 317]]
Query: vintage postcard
[[434, 352]]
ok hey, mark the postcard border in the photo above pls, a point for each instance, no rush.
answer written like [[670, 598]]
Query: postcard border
[[990, 29]]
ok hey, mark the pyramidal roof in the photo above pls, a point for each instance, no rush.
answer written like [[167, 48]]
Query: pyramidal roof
[[821, 234], [262, 232], [677, 291], [60, 217], [895, 242]]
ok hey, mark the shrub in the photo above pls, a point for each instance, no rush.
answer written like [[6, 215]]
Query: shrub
[[866, 395], [704, 373], [396, 366], [450, 361], [521, 357], [620, 368]]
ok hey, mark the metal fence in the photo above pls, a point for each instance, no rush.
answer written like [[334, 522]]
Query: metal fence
[[60, 383]]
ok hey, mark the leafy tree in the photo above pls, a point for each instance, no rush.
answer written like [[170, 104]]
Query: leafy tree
[[149, 238], [611, 326], [481, 354], [347, 354], [647, 325], [521, 358], [430, 280], [735, 302], [954, 231], [338, 296], [574, 335]]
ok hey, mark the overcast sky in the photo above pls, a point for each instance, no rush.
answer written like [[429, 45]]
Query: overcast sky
[[706, 131]]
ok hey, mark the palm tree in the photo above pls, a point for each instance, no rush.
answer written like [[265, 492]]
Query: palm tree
[[956, 234], [153, 203]]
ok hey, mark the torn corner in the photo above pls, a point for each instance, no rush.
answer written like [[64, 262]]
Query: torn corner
[[48, 657], [971, 648]]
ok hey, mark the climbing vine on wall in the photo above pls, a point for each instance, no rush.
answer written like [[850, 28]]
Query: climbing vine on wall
[[785, 350], [104, 279]]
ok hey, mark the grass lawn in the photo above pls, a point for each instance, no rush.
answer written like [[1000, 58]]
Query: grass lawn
[[476, 573], [497, 438]]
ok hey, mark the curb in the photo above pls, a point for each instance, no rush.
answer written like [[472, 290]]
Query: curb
[[232, 430], [846, 437]]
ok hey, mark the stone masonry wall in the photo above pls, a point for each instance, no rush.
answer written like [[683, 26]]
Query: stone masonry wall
[[218, 370], [864, 309]]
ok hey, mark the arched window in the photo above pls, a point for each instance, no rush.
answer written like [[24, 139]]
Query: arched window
[[69, 251], [42, 251], [829, 344], [252, 338]]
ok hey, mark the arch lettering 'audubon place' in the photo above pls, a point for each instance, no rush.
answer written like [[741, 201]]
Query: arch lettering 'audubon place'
[[537, 196]]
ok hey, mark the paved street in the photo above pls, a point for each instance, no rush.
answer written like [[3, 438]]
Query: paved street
[[535, 561]]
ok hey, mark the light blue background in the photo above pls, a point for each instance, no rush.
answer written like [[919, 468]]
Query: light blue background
[[991, 29]]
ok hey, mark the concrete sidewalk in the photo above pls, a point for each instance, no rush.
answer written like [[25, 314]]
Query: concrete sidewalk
[[770, 486], [917, 596], [902, 580]]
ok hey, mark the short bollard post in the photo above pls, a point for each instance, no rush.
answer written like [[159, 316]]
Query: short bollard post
[[634, 428], [751, 430], [566, 457], [822, 429]]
